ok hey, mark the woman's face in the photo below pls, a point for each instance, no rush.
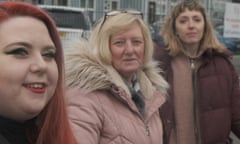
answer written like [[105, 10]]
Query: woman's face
[[190, 27], [127, 49], [29, 73]]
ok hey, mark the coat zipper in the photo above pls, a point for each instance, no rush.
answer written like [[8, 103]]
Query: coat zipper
[[147, 129], [195, 102]]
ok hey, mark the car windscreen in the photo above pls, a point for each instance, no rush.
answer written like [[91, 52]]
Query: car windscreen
[[69, 19]]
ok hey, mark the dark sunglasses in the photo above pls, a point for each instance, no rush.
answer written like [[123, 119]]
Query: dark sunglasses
[[116, 12]]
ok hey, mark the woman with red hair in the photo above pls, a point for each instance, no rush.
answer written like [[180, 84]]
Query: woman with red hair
[[32, 105]]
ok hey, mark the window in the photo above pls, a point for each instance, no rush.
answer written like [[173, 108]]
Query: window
[[87, 4], [83, 3], [111, 5], [90, 3], [114, 5]]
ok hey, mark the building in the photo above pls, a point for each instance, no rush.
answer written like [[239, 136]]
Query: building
[[153, 10]]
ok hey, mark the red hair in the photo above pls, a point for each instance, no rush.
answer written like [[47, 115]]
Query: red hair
[[52, 126]]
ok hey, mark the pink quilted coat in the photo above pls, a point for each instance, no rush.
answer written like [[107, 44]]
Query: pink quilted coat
[[100, 107]]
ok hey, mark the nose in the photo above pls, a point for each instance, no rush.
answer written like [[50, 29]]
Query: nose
[[190, 23], [38, 64], [129, 48]]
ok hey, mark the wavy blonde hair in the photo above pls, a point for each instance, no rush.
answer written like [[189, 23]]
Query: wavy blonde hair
[[112, 25]]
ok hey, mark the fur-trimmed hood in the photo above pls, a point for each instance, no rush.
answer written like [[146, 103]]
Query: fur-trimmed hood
[[84, 70]]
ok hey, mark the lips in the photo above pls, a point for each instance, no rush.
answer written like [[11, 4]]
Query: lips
[[191, 34], [129, 59], [35, 87]]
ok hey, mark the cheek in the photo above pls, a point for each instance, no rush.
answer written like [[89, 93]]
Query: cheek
[[115, 62], [115, 52], [116, 55], [8, 74], [180, 32], [202, 31], [9, 86], [10, 81]]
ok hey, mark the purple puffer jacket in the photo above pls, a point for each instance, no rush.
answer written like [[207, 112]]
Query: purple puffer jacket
[[218, 97]]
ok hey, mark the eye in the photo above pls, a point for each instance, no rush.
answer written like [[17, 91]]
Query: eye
[[119, 42], [198, 20], [51, 54], [182, 21], [137, 42], [18, 52]]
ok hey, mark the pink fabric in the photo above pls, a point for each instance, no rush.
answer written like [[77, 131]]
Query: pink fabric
[[112, 118]]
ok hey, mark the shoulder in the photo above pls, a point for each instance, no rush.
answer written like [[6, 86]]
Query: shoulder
[[219, 62], [84, 70], [81, 97], [212, 55], [84, 106]]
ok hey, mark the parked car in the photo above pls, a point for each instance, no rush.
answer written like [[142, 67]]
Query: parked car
[[71, 22], [236, 41], [227, 42]]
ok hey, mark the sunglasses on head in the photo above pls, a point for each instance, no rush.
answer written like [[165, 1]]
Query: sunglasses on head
[[116, 12]]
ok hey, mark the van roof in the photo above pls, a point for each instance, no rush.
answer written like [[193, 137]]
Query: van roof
[[67, 8]]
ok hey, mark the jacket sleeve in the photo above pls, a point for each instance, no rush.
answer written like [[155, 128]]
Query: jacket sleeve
[[236, 104], [84, 115]]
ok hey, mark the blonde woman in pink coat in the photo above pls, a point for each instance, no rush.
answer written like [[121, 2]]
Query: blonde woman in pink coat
[[114, 87]]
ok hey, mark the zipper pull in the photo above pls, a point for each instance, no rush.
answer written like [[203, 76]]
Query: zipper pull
[[147, 130], [192, 61]]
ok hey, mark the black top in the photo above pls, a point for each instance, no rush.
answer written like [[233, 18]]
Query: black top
[[12, 132]]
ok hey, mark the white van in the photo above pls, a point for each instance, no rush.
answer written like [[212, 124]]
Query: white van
[[72, 23]]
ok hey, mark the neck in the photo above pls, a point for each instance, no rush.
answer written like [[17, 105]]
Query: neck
[[191, 50], [14, 132], [129, 79]]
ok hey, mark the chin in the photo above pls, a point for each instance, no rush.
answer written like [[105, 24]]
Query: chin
[[24, 117], [34, 111]]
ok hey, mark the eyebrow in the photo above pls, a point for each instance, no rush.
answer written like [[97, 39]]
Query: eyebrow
[[18, 43], [194, 16]]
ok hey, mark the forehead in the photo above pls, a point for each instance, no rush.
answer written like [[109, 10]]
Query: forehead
[[15, 26], [124, 29], [21, 21], [136, 28], [23, 29], [190, 13]]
